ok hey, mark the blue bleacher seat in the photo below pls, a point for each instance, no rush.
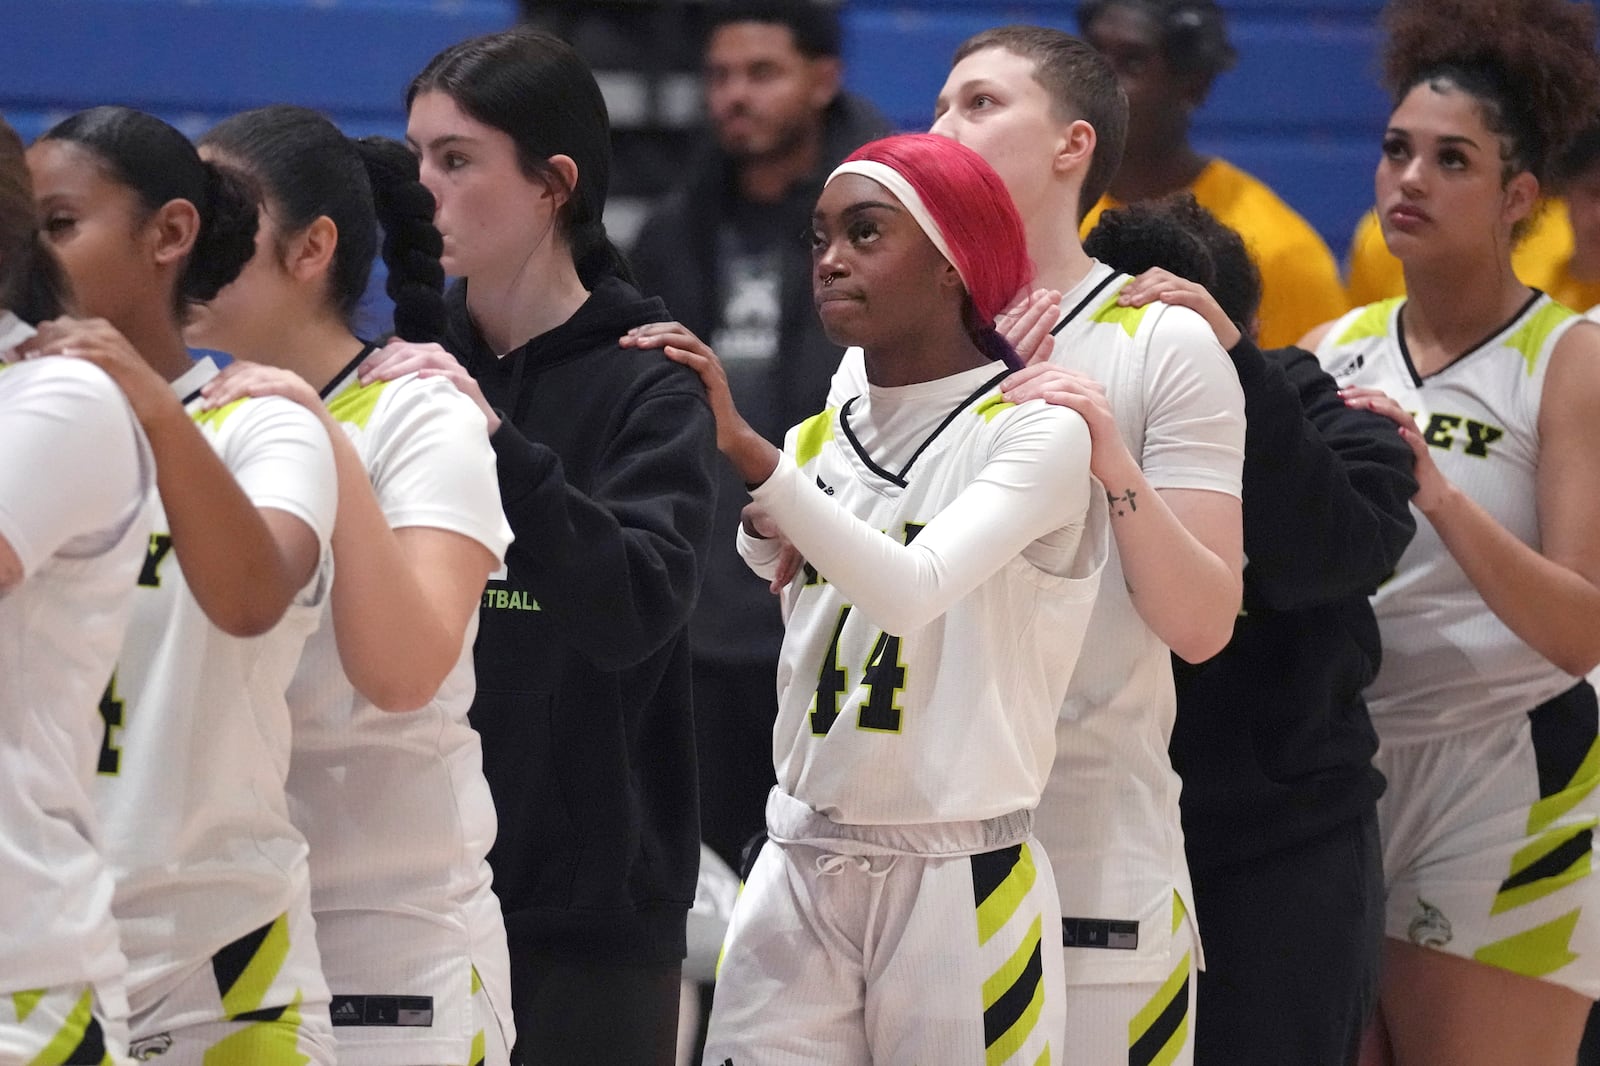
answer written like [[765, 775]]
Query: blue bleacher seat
[[349, 58]]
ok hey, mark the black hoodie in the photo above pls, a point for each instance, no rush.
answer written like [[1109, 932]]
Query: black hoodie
[[1272, 738], [677, 258], [606, 459]]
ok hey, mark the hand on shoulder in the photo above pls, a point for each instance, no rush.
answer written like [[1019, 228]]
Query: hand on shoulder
[[241, 379], [399, 358], [1078, 392], [96, 341], [1158, 284]]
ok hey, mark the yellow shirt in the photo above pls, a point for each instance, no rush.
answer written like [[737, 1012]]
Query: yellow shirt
[[1299, 279], [1540, 260], [1566, 289]]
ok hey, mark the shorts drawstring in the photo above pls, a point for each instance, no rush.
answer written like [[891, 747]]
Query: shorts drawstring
[[832, 864]]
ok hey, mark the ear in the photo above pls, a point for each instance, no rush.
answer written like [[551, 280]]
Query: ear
[[950, 278], [309, 254], [1075, 148], [825, 78], [171, 231], [1520, 197], [568, 169]]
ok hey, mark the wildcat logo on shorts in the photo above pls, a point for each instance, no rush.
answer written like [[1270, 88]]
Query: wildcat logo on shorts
[[150, 1047], [1430, 928]]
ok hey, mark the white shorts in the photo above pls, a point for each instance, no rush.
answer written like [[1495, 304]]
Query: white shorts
[[1146, 1023], [444, 1021], [1488, 842], [891, 958], [69, 1026], [260, 1001], [489, 1047]]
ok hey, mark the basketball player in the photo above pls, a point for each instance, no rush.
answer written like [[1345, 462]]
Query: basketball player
[[211, 885], [1166, 415], [903, 912], [395, 806], [74, 521], [1488, 730]]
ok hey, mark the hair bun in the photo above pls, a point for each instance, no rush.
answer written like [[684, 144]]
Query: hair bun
[[227, 239]]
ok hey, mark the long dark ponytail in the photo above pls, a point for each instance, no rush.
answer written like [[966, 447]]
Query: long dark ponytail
[[308, 169], [158, 163], [533, 87]]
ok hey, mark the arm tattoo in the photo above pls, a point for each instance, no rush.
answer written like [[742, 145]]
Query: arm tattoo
[[1116, 503]]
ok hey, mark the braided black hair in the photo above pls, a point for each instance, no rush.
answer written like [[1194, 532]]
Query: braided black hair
[[159, 164], [411, 244], [308, 169]]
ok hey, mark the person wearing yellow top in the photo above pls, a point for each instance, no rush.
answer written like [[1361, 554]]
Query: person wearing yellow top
[[1577, 284], [1166, 54]]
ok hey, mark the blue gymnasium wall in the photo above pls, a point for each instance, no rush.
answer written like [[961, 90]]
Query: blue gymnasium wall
[[1302, 110]]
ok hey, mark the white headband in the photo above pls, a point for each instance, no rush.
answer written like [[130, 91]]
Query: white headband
[[903, 191]]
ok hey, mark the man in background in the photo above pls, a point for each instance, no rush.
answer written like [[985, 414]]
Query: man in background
[[727, 250]]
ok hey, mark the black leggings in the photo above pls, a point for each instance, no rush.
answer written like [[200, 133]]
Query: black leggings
[[1292, 942], [587, 1013]]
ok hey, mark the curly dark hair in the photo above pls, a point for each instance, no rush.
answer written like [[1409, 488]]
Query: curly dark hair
[[1149, 233], [1531, 65], [1178, 235], [1238, 282]]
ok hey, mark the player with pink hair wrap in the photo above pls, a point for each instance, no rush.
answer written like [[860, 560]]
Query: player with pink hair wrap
[[903, 912], [964, 208]]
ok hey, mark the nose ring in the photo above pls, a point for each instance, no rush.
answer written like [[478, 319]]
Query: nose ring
[[827, 279]]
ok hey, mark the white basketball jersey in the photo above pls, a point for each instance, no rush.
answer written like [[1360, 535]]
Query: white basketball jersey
[[1109, 814], [75, 485], [1449, 664], [394, 805], [196, 750], [953, 720], [1110, 817]]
